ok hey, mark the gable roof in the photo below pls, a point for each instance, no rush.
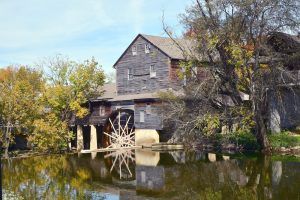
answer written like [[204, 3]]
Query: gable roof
[[170, 46], [166, 45]]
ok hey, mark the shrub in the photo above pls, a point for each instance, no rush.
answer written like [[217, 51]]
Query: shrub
[[241, 139], [244, 139]]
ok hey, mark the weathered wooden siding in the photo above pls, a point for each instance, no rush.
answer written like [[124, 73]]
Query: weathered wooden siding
[[95, 108], [122, 105], [94, 117], [140, 64], [175, 80], [202, 74], [152, 120]]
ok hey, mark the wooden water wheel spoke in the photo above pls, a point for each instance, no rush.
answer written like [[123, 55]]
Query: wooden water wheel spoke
[[112, 167], [126, 126], [110, 135], [126, 161], [112, 125], [121, 135]]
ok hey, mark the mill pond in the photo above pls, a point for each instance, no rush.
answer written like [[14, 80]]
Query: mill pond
[[145, 174]]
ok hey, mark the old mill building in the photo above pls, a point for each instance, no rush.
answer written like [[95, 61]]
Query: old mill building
[[149, 65]]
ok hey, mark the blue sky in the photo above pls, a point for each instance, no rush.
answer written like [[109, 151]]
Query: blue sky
[[32, 30]]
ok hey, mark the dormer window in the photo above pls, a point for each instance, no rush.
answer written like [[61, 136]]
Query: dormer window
[[134, 51], [147, 48], [152, 71], [130, 74]]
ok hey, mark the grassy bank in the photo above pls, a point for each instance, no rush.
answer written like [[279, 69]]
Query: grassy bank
[[284, 139], [246, 141]]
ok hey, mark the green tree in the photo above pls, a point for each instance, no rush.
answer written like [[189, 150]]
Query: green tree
[[69, 87], [110, 77], [20, 89]]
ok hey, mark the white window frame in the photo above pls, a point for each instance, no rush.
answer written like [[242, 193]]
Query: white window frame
[[142, 116], [147, 48], [102, 110], [134, 50], [152, 71], [129, 73]]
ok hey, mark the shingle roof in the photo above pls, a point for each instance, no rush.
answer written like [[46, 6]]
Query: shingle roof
[[109, 92], [149, 95], [135, 97], [173, 48]]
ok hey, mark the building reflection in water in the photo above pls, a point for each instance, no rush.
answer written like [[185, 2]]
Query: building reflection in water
[[139, 174]]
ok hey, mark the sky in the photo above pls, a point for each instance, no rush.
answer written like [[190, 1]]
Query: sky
[[33, 30]]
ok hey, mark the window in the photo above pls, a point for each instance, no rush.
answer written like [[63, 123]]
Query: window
[[102, 111], [142, 116], [147, 48], [152, 71], [148, 109], [130, 74], [134, 51]]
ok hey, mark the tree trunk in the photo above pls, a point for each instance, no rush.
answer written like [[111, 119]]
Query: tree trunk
[[6, 139], [261, 132], [6, 145], [6, 151], [259, 105]]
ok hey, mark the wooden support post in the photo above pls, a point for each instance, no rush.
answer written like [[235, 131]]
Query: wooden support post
[[146, 137], [212, 157], [93, 141], [79, 138], [93, 155]]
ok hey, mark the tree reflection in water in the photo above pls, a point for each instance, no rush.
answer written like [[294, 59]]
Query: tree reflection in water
[[176, 175]]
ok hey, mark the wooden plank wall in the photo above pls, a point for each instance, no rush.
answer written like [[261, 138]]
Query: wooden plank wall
[[153, 119], [140, 63], [94, 117]]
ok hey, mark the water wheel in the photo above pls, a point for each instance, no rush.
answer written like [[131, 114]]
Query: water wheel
[[119, 137], [119, 130]]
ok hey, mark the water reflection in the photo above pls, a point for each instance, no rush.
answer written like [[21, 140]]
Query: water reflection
[[121, 160], [141, 174]]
